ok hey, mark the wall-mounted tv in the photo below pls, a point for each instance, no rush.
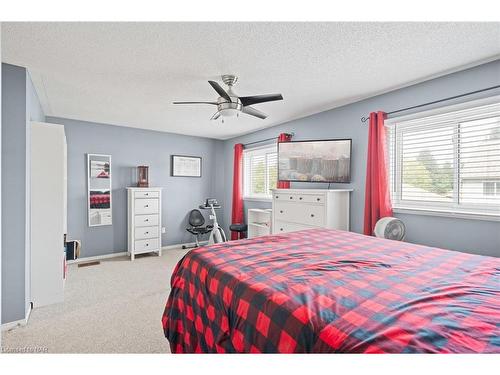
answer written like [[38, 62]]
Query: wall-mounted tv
[[315, 161]]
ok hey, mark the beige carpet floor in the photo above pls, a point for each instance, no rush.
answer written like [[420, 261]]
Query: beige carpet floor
[[113, 307]]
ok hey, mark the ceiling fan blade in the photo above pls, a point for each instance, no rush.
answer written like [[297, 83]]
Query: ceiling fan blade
[[215, 116], [220, 90], [255, 99], [253, 112], [215, 103]]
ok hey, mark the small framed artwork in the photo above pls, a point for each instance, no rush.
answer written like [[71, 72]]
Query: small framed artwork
[[185, 166]]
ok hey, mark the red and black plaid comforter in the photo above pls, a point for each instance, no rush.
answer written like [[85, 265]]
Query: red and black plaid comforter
[[332, 291]]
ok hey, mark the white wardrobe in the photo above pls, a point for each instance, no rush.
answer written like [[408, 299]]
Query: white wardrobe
[[48, 212]]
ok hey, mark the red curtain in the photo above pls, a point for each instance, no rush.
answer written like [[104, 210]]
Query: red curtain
[[237, 212], [284, 137], [377, 198]]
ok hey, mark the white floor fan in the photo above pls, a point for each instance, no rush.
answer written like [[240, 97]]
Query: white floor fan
[[390, 228]]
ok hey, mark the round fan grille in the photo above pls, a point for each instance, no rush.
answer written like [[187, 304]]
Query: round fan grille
[[390, 228]]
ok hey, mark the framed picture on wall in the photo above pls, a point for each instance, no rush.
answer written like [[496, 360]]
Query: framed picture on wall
[[185, 166]]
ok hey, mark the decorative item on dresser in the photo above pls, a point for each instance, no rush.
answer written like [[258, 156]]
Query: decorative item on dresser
[[144, 221], [299, 209], [143, 176]]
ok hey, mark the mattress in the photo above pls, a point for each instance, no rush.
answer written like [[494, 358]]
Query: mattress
[[328, 291]]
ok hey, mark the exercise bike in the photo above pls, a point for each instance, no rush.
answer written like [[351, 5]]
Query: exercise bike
[[217, 234], [198, 227]]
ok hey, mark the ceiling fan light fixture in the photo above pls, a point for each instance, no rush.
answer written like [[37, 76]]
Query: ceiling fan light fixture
[[229, 109], [228, 112]]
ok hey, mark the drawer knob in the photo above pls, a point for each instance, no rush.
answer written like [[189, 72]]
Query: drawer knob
[[312, 215], [147, 244], [281, 229], [318, 199], [281, 211], [277, 197], [300, 198], [291, 197], [146, 205], [146, 219], [147, 232]]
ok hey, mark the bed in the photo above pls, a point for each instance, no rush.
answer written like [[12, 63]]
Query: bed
[[328, 291]]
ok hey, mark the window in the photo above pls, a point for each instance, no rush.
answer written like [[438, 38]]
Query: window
[[447, 160], [260, 172]]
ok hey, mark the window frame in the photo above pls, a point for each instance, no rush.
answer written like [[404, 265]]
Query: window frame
[[420, 120], [255, 151]]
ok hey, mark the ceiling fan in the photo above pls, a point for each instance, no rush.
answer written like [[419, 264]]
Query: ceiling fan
[[229, 104]]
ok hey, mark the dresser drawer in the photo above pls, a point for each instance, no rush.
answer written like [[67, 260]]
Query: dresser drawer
[[301, 198], [285, 227], [286, 197], [147, 194], [146, 245], [146, 232], [145, 220], [312, 198], [146, 206], [303, 213]]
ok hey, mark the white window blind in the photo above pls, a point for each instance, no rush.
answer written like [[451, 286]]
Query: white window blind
[[448, 161], [260, 172]]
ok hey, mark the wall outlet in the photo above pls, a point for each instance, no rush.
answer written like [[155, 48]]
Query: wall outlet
[[163, 230]]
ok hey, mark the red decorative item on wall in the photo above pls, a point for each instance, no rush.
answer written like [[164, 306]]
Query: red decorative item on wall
[[284, 137], [377, 197], [237, 211]]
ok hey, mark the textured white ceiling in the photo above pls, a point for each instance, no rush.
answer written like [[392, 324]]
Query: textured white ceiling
[[129, 73]]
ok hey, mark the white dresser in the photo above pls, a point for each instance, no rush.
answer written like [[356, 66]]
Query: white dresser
[[144, 221], [299, 209]]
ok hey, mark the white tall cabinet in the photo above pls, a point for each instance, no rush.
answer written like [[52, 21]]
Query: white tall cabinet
[[48, 212], [144, 221], [299, 209]]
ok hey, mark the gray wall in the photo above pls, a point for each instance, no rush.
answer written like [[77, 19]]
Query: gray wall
[[129, 148], [474, 236], [19, 105]]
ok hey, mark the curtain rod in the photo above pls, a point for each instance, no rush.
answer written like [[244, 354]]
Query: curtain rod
[[267, 139], [364, 119]]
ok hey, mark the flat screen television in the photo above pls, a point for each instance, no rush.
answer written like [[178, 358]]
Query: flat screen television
[[315, 161]]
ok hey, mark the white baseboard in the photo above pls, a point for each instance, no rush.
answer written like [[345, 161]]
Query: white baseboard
[[179, 245], [98, 257], [17, 323], [125, 253]]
